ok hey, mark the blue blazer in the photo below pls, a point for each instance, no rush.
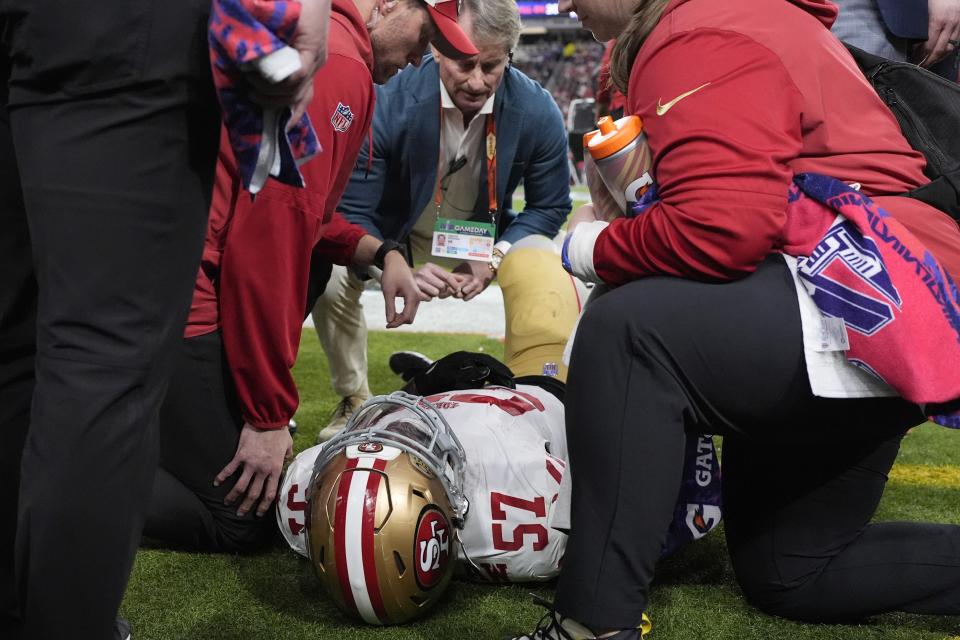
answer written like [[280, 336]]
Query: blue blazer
[[387, 197]]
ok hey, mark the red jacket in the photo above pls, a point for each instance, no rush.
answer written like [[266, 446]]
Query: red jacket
[[771, 93], [253, 276]]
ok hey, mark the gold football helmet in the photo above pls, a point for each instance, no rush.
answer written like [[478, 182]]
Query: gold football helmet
[[385, 503]]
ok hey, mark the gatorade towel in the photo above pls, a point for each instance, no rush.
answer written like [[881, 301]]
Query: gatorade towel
[[698, 509], [900, 308], [241, 33]]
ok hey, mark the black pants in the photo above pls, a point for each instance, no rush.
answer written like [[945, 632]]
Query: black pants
[[108, 129], [200, 425], [802, 475]]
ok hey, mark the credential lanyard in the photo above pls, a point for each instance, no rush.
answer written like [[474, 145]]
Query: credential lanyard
[[490, 143]]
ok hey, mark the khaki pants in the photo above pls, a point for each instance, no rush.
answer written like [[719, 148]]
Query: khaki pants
[[342, 329]]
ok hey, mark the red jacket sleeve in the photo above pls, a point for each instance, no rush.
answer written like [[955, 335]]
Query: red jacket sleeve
[[266, 258], [263, 283], [338, 240], [720, 159]]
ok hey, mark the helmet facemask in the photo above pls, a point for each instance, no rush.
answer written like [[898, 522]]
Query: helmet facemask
[[412, 424]]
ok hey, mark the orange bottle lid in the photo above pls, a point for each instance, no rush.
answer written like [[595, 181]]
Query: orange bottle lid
[[612, 136]]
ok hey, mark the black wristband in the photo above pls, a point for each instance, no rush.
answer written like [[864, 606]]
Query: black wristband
[[385, 248]]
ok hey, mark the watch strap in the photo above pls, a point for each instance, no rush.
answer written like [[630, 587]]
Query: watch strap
[[380, 256]]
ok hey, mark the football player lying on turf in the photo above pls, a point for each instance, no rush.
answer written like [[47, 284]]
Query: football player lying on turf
[[470, 472]]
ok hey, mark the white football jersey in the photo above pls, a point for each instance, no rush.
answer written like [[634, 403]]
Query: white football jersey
[[516, 450]]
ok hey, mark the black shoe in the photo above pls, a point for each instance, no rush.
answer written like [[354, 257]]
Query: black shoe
[[553, 626], [121, 631], [408, 364]]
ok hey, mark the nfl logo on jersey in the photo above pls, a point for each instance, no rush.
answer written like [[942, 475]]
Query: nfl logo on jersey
[[342, 118]]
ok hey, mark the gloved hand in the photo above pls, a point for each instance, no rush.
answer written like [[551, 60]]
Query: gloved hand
[[463, 370]]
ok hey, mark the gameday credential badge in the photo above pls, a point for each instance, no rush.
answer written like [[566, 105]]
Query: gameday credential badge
[[342, 118], [431, 548], [464, 239]]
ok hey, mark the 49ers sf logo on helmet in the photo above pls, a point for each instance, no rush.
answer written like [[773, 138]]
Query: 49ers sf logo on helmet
[[431, 548]]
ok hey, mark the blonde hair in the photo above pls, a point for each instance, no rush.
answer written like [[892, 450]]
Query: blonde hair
[[644, 19]]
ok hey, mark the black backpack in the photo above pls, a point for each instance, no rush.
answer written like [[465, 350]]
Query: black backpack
[[927, 107]]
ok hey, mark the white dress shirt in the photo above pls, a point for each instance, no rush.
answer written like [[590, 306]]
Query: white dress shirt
[[463, 187]]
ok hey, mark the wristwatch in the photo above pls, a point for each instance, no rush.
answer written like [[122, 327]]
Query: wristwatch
[[495, 260], [385, 248]]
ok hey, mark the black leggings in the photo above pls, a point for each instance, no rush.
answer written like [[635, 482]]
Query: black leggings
[[660, 357], [200, 425]]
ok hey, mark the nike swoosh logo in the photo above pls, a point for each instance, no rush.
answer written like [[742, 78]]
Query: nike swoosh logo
[[663, 108]]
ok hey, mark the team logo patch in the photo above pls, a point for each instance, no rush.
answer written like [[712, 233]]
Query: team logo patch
[[701, 518], [370, 447], [342, 117], [431, 548]]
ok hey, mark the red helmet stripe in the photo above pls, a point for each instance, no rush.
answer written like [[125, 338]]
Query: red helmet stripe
[[369, 550], [339, 533]]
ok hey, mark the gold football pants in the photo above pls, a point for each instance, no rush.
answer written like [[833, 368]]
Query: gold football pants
[[541, 305]]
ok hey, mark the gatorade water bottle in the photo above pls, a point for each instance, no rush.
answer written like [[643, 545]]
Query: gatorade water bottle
[[619, 149]]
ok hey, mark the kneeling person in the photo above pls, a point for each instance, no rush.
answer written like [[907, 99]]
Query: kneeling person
[[223, 425]]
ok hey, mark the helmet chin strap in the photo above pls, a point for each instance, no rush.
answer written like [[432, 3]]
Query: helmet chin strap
[[463, 550]]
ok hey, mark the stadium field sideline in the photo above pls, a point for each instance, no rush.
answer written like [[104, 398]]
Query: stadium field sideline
[[274, 596]]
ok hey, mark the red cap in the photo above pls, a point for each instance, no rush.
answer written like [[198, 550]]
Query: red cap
[[449, 39]]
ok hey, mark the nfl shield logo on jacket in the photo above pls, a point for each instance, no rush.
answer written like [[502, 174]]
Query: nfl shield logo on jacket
[[342, 118]]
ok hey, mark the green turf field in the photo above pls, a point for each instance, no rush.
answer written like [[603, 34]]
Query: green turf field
[[181, 596]]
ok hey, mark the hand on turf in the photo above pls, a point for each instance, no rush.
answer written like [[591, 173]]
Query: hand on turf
[[437, 282], [398, 282], [261, 453], [476, 277], [944, 25]]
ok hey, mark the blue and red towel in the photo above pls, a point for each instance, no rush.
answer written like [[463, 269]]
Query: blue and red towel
[[900, 307], [243, 32]]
